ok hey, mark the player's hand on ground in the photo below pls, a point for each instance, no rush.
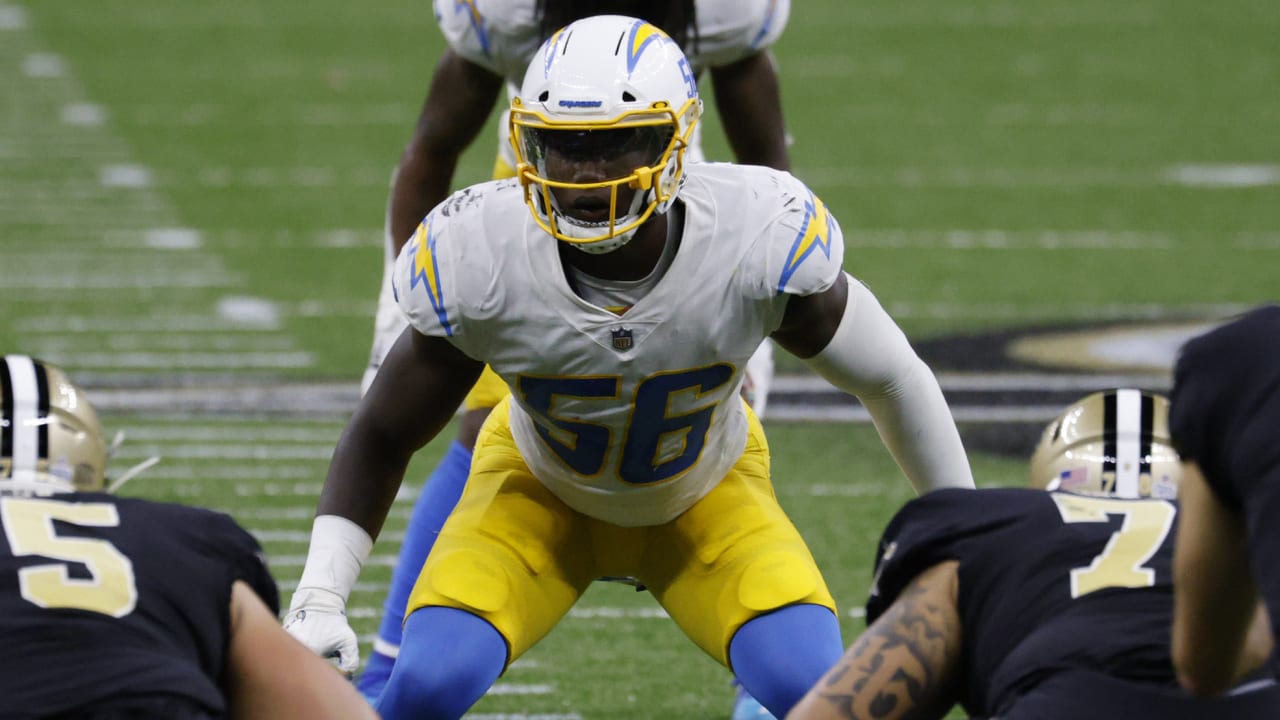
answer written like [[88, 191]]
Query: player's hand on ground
[[318, 619]]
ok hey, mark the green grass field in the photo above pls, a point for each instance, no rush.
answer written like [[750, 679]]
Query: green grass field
[[191, 201]]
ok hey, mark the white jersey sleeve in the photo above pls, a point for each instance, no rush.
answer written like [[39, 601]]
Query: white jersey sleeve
[[870, 357], [441, 282], [498, 35], [730, 30], [801, 254]]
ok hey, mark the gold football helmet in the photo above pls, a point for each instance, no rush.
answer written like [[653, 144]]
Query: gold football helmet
[[1114, 443], [616, 94], [50, 437]]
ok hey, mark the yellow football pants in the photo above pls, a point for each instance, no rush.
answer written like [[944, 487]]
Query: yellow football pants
[[515, 555]]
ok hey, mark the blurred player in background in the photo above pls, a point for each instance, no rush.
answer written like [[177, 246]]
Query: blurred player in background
[[1019, 603], [619, 292], [490, 43], [1225, 422], [118, 608]]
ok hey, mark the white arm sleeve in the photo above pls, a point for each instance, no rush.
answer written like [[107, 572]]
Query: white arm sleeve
[[870, 357], [338, 549]]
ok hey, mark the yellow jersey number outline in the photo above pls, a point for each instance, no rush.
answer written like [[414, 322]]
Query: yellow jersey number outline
[[584, 446]]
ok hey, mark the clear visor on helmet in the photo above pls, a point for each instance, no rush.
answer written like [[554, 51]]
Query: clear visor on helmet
[[559, 154]]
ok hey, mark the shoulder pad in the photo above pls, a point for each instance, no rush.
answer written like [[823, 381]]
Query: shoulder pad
[[423, 279], [729, 30], [449, 267], [498, 35], [802, 249]]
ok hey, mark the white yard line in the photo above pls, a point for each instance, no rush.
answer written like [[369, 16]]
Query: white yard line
[[69, 323], [253, 451], [1011, 17], [1050, 239], [336, 400], [995, 382], [266, 115], [962, 413], [848, 489], [69, 186], [173, 471], [1224, 175], [398, 512], [984, 176], [76, 343], [303, 537], [1044, 177], [182, 360], [297, 561], [12, 17], [58, 280], [234, 434], [509, 688], [83, 113], [1059, 311]]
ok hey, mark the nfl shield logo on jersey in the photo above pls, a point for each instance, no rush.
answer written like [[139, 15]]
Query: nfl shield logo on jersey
[[622, 339]]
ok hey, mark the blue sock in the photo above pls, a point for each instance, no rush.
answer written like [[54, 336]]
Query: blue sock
[[779, 656], [449, 659], [438, 497]]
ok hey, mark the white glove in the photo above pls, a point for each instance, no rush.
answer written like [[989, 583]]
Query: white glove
[[317, 615], [388, 325], [317, 618]]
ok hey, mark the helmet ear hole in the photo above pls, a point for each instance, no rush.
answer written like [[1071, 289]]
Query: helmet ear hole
[[544, 96], [628, 97]]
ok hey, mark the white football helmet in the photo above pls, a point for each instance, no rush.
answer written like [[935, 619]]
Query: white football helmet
[[605, 89], [50, 437], [1114, 443]]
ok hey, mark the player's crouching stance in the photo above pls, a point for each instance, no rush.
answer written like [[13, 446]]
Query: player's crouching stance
[[621, 314], [1022, 604], [114, 607]]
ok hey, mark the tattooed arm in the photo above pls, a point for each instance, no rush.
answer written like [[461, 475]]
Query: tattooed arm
[[905, 666]]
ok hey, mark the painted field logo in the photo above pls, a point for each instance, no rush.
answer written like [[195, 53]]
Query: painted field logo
[[622, 339]]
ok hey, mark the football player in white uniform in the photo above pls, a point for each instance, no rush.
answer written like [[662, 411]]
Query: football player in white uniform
[[619, 292], [490, 43]]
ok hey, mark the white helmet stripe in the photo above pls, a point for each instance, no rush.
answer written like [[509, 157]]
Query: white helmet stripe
[[23, 412], [1128, 442]]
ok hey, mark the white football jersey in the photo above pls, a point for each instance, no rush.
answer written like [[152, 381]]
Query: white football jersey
[[631, 418], [503, 35]]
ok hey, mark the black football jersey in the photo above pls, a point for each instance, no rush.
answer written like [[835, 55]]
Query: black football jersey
[[1224, 414], [107, 601], [1047, 581], [1225, 406]]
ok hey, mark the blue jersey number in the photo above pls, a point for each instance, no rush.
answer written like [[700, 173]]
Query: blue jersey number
[[584, 446]]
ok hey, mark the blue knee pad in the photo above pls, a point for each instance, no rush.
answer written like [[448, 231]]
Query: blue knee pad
[[436, 501], [779, 656], [448, 660]]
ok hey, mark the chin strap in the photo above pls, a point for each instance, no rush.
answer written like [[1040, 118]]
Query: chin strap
[[132, 472]]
